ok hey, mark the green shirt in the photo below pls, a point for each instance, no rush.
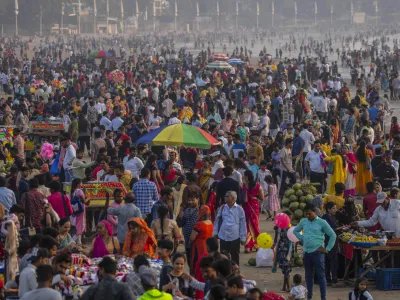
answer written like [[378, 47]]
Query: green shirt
[[74, 127], [314, 234]]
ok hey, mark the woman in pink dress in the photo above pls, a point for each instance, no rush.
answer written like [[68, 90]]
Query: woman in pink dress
[[253, 193], [79, 216], [272, 201]]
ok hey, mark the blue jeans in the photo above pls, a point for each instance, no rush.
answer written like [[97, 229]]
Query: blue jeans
[[315, 262], [69, 175]]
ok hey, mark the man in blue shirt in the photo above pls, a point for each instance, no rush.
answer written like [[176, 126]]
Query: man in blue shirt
[[181, 101], [297, 151], [313, 240], [237, 147], [276, 102], [373, 112], [230, 226]]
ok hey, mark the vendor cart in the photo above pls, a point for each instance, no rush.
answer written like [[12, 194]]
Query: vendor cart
[[45, 129]]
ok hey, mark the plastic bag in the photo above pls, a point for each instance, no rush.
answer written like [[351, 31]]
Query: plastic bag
[[264, 257]]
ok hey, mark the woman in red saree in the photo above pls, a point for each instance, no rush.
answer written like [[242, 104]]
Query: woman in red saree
[[351, 169], [140, 240], [253, 193]]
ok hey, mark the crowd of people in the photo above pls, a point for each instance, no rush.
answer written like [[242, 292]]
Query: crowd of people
[[277, 121]]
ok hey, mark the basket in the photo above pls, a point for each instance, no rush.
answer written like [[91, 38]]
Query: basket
[[363, 244], [388, 279]]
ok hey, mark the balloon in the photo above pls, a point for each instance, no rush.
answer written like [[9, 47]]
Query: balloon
[[282, 220], [264, 241], [291, 235]]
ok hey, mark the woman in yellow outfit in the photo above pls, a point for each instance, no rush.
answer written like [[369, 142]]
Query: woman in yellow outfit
[[339, 170], [363, 175]]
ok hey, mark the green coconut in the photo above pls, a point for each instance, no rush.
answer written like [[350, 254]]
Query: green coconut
[[309, 198], [303, 199], [285, 202], [297, 186], [289, 192], [294, 205], [252, 262], [299, 193], [298, 261], [314, 190], [299, 213], [293, 198], [302, 205]]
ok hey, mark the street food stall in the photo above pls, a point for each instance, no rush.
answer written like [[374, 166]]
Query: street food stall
[[45, 129]]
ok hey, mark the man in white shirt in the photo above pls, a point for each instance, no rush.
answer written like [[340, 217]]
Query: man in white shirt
[[314, 166], [117, 122], [105, 121], [133, 163], [322, 111], [69, 157], [263, 126], [100, 107], [308, 139]]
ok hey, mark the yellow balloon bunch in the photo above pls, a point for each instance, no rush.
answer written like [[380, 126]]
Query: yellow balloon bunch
[[265, 241]]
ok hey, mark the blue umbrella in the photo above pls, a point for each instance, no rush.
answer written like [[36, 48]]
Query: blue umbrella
[[149, 137], [235, 61]]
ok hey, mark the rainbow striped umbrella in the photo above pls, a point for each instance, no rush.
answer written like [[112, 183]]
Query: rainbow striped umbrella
[[179, 135]]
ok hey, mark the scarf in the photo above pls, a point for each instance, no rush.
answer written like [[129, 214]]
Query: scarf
[[352, 158], [140, 244], [99, 247]]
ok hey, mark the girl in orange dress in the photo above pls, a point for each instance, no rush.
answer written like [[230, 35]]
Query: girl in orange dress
[[202, 230]]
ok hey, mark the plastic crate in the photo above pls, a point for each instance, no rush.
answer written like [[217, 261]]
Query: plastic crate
[[388, 279]]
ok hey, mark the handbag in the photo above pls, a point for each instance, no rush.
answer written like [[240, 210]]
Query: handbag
[[77, 206]]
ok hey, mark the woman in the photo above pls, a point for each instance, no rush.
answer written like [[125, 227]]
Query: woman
[[177, 283], [363, 175], [139, 240], [78, 204], [318, 203], [178, 194], [170, 174], [351, 169], [84, 133], [64, 237], [339, 170], [348, 213], [165, 228], [105, 243], [204, 179], [253, 193], [155, 176], [202, 230], [333, 132], [279, 139]]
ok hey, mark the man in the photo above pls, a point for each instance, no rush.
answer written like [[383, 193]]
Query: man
[[7, 196], [73, 129], [133, 163], [377, 160], [105, 121], [96, 145], [145, 193], [108, 287], [70, 155], [225, 185], [44, 291], [117, 122], [167, 197], [369, 201], [387, 214], [314, 166], [149, 280], [263, 126], [237, 147], [235, 288], [191, 188], [313, 239], [124, 213], [286, 165], [308, 139], [186, 219], [255, 149], [230, 226], [386, 173], [297, 153], [338, 197], [395, 165], [19, 143], [168, 106], [349, 126], [79, 166]]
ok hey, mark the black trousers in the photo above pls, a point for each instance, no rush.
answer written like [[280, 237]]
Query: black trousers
[[318, 178], [82, 140], [233, 248]]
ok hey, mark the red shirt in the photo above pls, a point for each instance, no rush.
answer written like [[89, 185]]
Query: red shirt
[[369, 204], [57, 203]]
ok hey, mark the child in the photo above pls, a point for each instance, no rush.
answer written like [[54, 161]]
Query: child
[[298, 291], [165, 248], [254, 294], [360, 290], [271, 202], [178, 284], [284, 254]]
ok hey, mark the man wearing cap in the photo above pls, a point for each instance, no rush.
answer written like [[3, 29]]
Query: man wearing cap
[[387, 214], [148, 277], [385, 172]]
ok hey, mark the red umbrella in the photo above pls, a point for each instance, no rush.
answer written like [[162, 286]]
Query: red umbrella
[[102, 54], [220, 56]]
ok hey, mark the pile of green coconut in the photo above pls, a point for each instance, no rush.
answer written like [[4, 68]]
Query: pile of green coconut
[[295, 199]]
